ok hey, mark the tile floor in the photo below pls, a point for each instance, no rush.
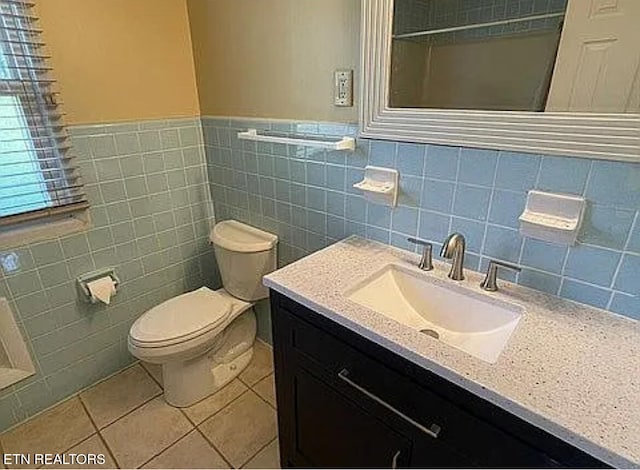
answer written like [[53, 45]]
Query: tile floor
[[126, 418]]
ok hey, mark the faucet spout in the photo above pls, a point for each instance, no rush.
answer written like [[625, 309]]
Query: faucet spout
[[453, 249]]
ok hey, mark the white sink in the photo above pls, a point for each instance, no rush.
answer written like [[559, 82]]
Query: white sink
[[467, 320]]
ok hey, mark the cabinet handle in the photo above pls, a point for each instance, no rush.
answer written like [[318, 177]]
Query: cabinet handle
[[394, 461], [431, 431]]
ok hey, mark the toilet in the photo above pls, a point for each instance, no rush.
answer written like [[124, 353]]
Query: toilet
[[203, 339]]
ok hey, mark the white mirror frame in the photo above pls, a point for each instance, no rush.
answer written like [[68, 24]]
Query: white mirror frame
[[602, 136]]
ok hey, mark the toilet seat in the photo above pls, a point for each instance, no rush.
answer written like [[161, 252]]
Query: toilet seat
[[180, 319]]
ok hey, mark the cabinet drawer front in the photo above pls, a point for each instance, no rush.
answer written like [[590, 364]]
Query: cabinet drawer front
[[332, 431], [434, 417]]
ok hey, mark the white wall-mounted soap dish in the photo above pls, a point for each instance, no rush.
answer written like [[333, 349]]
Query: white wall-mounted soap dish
[[552, 217], [380, 185]]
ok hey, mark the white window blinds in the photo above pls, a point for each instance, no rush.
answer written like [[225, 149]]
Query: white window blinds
[[37, 173]]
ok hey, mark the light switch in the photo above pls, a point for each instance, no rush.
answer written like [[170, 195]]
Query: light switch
[[343, 88]]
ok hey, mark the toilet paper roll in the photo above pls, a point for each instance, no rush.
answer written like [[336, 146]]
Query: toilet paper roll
[[102, 289]]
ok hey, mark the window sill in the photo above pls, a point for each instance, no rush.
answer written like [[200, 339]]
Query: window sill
[[45, 229]]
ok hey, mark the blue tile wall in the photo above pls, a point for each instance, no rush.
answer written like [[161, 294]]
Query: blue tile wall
[[153, 185], [151, 212], [480, 193]]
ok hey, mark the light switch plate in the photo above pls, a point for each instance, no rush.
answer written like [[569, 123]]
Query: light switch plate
[[343, 88]]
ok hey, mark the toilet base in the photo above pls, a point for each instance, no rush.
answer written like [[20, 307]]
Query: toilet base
[[225, 373], [187, 382]]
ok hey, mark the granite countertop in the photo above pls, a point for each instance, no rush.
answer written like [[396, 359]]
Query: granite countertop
[[569, 369]]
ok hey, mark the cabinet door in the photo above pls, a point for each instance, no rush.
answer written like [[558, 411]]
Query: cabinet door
[[333, 431]]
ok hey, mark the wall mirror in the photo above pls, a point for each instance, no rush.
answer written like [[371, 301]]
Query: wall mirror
[[544, 76]]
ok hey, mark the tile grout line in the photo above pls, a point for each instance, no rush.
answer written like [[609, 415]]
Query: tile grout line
[[97, 433], [261, 378], [259, 450], [218, 411], [259, 395], [418, 207], [635, 224], [104, 442], [151, 375], [275, 438], [486, 222], [167, 447], [625, 248], [199, 431], [249, 388], [129, 412], [64, 400], [193, 424], [2, 453], [614, 279], [214, 414]]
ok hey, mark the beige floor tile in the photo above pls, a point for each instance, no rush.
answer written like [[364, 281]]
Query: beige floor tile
[[215, 402], [118, 395], [242, 428], [269, 457], [93, 445], [261, 364], [266, 388], [192, 451], [155, 370], [145, 432], [56, 430]]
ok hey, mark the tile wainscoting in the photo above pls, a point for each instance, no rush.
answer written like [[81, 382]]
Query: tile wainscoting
[[151, 212], [306, 197], [153, 185]]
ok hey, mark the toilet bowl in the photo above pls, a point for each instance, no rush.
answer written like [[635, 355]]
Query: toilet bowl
[[203, 339]]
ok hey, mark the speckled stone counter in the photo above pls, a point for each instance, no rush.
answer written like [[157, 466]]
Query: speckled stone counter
[[569, 369]]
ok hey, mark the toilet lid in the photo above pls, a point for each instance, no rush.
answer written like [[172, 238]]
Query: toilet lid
[[181, 318]]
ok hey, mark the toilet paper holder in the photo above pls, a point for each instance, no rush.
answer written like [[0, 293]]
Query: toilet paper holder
[[84, 279]]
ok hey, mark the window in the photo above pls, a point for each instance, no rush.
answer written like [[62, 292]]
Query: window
[[37, 176]]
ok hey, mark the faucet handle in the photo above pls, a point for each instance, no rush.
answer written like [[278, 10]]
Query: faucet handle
[[426, 262], [490, 282]]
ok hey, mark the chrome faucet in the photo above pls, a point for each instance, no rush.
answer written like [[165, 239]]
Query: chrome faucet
[[490, 282], [426, 262], [453, 249]]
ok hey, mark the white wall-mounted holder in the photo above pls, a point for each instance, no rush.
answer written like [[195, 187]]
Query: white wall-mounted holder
[[380, 185], [93, 287], [345, 143], [15, 361], [552, 217]]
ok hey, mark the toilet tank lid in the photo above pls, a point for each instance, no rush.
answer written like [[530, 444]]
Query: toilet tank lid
[[236, 236]]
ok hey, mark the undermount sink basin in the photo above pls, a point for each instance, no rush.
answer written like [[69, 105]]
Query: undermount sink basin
[[467, 320]]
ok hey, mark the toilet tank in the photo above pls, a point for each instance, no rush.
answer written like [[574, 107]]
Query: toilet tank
[[244, 255]]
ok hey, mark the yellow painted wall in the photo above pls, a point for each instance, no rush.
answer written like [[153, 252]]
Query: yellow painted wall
[[273, 58], [121, 60]]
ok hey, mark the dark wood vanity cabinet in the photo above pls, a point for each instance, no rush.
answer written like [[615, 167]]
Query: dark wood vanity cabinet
[[344, 401]]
